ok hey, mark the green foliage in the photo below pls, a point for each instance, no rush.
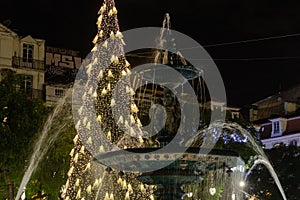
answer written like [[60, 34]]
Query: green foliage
[[20, 120]]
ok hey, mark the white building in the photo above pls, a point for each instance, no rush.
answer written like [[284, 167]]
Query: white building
[[280, 130], [25, 55], [278, 118]]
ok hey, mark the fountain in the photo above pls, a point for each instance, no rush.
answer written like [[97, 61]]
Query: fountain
[[49, 134], [198, 173]]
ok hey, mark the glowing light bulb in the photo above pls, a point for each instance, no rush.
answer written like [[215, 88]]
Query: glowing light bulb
[[139, 123], [70, 171], [114, 10], [105, 44], [127, 197], [88, 126], [127, 64], [109, 74], [94, 49], [99, 21], [95, 39], [141, 139], [85, 119], [114, 59], [95, 95], [75, 139], [75, 159], [104, 92], [121, 120], [78, 195], [77, 124], [91, 91], [124, 185], [96, 184], [130, 190], [72, 152], [119, 181], [108, 87], [89, 189], [119, 35], [89, 141], [242, 184], [101, 33], [124, 73], [106, 196], [80, 110], [132, 119], [134, 108], [111, 197], [83, 97], [212, 191], [109, 135], [101, 149], [82, 150], [100, 75], [99, 118], [110, 13], [88, 167], [142, 188], [77, 183], [112, 35], [112, 103]]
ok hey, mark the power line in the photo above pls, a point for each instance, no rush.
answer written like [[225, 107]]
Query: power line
[[230, 59], [244, 41]]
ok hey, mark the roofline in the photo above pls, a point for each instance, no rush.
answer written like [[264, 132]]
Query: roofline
[[9, 30]]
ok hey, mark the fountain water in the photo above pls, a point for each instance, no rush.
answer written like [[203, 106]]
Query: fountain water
[[264, 161], [52, 127], [241, 135]]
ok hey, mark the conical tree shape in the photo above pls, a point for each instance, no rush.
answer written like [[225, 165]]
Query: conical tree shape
[[88, 179]]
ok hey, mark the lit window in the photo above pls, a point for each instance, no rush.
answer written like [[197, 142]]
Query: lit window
[[59, 92]]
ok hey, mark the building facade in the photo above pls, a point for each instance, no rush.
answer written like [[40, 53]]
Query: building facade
[[47, 71], [25, 56], [278, 118]]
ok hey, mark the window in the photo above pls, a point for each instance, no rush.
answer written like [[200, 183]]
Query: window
[[27, 84], [276, 127], [293, 143], [59, 92], [28, 53]]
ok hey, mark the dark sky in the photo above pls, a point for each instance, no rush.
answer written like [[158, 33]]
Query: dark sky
[[71, 24]]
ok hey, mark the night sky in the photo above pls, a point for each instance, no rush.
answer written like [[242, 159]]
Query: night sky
[[71, 24]]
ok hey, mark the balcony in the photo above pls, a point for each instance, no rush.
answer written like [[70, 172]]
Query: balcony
[[23, 63]]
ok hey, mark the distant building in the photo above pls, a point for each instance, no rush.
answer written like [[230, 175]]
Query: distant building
[[61, 67], [278, 118], [25, 55], [47, 71], [281, 130]]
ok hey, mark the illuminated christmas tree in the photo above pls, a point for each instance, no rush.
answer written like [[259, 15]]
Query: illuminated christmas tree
[[88, 179]]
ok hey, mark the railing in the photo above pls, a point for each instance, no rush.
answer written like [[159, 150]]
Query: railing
[[18, 62]]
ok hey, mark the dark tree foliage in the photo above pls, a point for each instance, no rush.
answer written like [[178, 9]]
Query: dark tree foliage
[[285, 160], [20, 120]]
